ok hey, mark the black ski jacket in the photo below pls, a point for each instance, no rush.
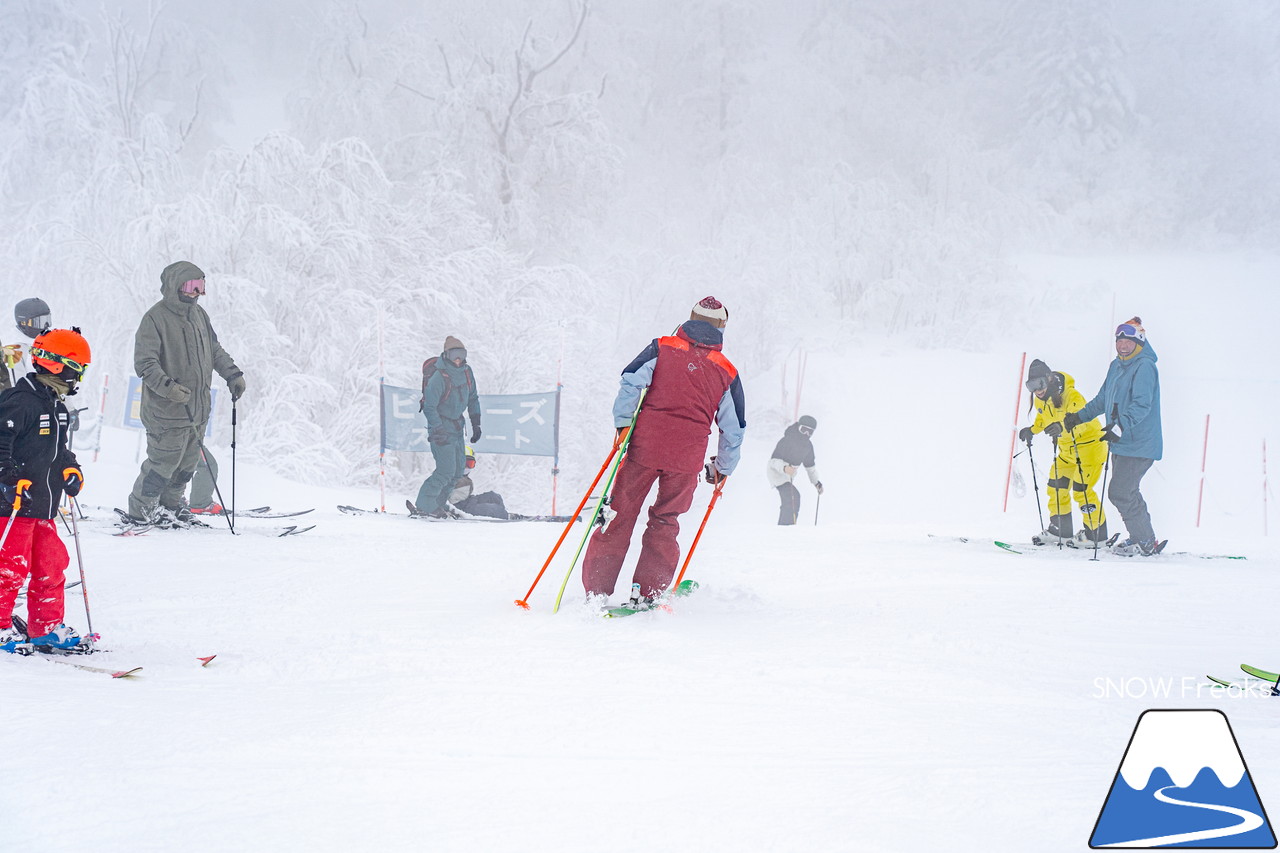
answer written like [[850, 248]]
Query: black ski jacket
[[33, 433]]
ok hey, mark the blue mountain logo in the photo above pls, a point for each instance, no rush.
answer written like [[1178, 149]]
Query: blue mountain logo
[[1183, 783]]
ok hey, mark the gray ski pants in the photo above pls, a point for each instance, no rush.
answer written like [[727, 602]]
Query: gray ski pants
[[171, 460], [1126, 478]]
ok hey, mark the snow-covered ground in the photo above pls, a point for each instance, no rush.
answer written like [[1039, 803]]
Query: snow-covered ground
[[852, 685]]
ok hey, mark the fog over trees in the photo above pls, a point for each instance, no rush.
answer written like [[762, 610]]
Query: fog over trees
[[556, 182]]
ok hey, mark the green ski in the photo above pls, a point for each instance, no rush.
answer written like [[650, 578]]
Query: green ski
[[1260, 673], [686, 587]]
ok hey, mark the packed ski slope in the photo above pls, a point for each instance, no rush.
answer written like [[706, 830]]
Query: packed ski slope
[[854, 685]]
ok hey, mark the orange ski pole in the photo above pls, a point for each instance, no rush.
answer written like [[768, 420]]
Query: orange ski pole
[[524, 602], [687, 557]]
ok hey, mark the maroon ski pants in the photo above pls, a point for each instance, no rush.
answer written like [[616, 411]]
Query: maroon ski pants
[[659, 550], [33, 547]]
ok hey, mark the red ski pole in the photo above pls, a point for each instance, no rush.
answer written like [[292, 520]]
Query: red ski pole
[[524, 602], [715, 496]]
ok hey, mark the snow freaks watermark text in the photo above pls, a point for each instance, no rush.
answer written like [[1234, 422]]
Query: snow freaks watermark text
[[1188, 686]]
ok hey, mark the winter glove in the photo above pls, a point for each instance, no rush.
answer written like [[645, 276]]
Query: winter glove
[[475, 433], [13, 491], [620, 436], [12, 355], [72, 481], [713, 474], [1112, 432], [10, 472], [176, 391], [236, 386], [1024, 435], [1070, 421], [437, 438], [1053, 430], [818, 486]]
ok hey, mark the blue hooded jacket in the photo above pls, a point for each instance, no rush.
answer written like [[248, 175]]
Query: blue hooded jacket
[[1133, 386]]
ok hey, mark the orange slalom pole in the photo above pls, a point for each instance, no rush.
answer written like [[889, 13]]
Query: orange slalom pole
[[687, 557], [524, 602]]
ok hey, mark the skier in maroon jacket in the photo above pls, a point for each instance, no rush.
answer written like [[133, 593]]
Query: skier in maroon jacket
[[690, 386]]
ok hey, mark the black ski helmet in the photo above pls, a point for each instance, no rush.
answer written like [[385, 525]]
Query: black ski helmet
[[808, 422], [32, 316]]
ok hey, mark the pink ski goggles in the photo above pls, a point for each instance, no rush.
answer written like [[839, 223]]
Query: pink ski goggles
[[195, 287]]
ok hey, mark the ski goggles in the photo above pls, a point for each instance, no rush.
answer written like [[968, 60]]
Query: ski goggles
[[805, 430], [455, 353], [1127, 330], [195, 287], [35, 324], [71, 364], [1036, 384]]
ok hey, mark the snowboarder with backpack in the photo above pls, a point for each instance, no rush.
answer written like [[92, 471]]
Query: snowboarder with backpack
[[1081, 456], [1130, 401], [176, 352], [36, 469], [793, 450], [690, 386], [448, 391]]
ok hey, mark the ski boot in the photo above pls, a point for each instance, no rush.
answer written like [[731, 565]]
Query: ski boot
[[63, 640], [214, 508], [1137, 548], [1059, 530], [183, 516], [638, 601], [14, 641]]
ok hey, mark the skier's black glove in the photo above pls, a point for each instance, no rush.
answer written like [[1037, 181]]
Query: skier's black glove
[[437, 438], [1024, 435], [1112, 432], [1053, 430], [10, 473], [72, 481], [818, 487], [713, 474], [475, 433], [1071, 420]]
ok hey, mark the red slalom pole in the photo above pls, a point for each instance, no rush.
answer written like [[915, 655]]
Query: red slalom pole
[[687, 557], [1013, 438], [524, 602]]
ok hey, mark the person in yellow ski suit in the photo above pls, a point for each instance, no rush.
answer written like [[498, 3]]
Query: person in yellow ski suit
[[1081, 456]]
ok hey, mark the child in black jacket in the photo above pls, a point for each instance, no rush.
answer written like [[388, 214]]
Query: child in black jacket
[[36, 469]]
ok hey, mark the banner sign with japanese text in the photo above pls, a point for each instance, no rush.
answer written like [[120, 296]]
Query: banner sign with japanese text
[[520, 424]]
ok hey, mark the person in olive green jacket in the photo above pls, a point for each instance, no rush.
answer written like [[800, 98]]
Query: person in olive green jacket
[[176, 353]]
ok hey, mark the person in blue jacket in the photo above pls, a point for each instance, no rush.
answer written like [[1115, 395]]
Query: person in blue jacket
[[1130, 401]]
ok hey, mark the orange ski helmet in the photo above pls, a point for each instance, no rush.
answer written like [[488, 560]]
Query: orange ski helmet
[[61, 349]]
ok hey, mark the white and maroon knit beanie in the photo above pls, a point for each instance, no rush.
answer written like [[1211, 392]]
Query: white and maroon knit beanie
[[712, 309]]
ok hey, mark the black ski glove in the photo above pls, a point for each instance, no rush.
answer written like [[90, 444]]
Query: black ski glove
[[72, 481], [10, 472], [1024, 435], [818, 487], [1071, 420], [1112, 432], [713, 474], [1053, 430], [475, 433]]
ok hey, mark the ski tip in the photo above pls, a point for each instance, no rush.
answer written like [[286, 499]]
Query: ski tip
[[524, 605], [127, 673], [206, 661]]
